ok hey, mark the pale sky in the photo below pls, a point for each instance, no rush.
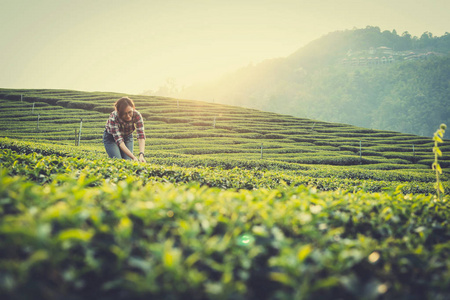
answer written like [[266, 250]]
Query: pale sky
[[129, 46]]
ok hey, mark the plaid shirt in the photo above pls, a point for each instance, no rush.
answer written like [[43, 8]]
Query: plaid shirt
[[120, 129]]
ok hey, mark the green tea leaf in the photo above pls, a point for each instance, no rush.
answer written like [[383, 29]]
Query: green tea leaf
[[303, 252], [75, 234]]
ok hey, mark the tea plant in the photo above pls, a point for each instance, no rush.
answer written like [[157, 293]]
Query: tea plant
[[128, 240], [206, 218], [186, 130], [437, 138], [45, 168]]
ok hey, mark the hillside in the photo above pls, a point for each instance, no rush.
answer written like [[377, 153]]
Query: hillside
[[201, 131], [212, 215], [396, 82], [192, 134]]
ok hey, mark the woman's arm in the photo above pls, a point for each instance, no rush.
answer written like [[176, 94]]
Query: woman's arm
[[127, 151], [141, 150], [139, 121]]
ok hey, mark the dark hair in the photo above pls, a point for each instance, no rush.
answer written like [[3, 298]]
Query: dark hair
[[122, 103]]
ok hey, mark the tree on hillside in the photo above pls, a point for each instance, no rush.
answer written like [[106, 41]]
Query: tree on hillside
[[405, 42]]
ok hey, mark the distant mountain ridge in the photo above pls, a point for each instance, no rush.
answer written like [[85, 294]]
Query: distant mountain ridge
[[365, 77]]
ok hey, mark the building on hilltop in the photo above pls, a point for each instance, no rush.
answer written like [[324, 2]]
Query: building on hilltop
[[385, 50]]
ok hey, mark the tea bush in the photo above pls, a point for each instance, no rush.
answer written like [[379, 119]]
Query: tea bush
[[221, 225], [133, 241], [42, 168]]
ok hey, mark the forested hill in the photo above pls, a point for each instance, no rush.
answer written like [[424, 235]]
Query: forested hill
[[365, 77]]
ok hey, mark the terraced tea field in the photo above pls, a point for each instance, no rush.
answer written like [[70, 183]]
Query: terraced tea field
[[200, 131], [233, 203]]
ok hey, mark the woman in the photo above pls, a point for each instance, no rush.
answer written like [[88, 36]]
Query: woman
[[118, 135]]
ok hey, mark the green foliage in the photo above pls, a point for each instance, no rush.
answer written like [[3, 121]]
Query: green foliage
[[207, 218], [437, 138], [237, 175], [407, 95], [70, 239], [288, 142]]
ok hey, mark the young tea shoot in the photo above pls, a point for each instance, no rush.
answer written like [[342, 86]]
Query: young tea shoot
[[437, 138]]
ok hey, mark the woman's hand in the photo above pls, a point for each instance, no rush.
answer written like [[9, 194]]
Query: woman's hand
[[142, 158]]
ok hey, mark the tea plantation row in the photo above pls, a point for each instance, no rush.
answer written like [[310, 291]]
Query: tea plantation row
[[79, 237], [210, 216], [24, 160], [210, 131]]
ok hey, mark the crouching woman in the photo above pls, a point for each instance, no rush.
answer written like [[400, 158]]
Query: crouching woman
[[118, 134]]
